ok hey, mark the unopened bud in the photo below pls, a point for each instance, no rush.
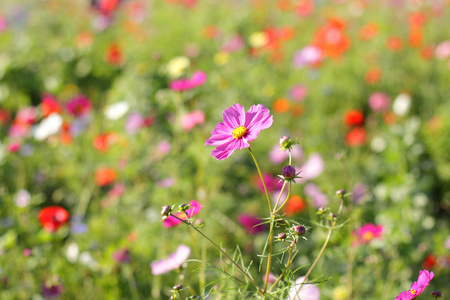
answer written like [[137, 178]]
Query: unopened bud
[[166, 210], [340, 193], [288, 172], [184, 207], [282, 236], [436, 294], [299, 229], [284, 140], [178, 287]]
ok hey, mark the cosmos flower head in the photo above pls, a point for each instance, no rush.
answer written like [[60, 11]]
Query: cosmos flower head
[[368, 232], [238, 129], [193, 210], [417, 287], [172, 262], [252, 224]]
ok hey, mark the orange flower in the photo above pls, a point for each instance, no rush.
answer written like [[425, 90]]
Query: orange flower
[[211, 32], [105, 176], [113, 55], [284, 5], [373, 75], [415, 38], [389, 118], [427, 52], [394, 43], [331, 38], [369, 31], [281, 105], [295, 205], [297, 110], [356, 137], [354, 117], [416, 20]]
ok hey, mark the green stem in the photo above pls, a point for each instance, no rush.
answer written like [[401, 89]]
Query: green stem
[[279, 197], [262, 179], [223, 252], [285, 269], [269, 258], [285, 201], [318, 256]]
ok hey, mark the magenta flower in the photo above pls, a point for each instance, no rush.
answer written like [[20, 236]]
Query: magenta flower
[[191, 119], [367, 232], [174, 261], [379, 102], [192, 211], [252, 224], [79, 106], [238, 129], [181, 85], [417, 287], [122, 256]]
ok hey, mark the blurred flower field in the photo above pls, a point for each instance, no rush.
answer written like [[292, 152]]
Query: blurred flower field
[[299, 149]]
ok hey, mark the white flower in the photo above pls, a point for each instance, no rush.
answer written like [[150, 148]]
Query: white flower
[[307, 291], [117, 110], [72, 252], [48, 126], [402, 104], [22, 198]]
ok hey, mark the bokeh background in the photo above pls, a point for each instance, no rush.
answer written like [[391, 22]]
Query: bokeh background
[[105, 107]]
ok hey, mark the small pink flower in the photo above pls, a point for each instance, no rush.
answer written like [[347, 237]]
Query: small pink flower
[[273, 183], [238, 129], [277, 156], [379, 102], [192, 211], [308, 56], [172, 262], [190, 120], [236, 43], [417, 287], [443, 50], [298, 92], [367, 233], [14, 147], [312, 168], [79, 106], [122, 256], [319, 199]]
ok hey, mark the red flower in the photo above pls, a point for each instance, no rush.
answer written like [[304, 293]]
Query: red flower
[[373, 75], [49, 105], [295, 205], [356, 137], [4, 116], [105, 176], [416, 20], [369, 31], [394, 44], [114, 55], [429, 262], [354, 117], [103, 141], [53, 217]]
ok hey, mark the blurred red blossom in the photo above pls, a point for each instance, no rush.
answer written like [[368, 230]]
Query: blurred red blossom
[[356, 137], [53, 217], [354, 117], [105, 176]]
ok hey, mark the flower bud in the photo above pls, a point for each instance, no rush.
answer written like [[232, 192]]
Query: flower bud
[[340, 193], [284, 140], [178, 287], [282, 236], [299, 229], [436, 294], [184, 207], [166, 210], [288, 172]]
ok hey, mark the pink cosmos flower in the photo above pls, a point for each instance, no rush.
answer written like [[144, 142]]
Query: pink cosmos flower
[[319, 199], [367, 232], [308, 56], [238, 129], [273, 183], [417, 287], [190, 120], [252, 224], [174, 261], [298, 92], [307, 292], [180, 85], [79, 106], [312, 168], [195, 209], [234, 44]]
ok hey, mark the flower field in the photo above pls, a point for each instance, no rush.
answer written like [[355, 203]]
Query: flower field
[[205, 149]]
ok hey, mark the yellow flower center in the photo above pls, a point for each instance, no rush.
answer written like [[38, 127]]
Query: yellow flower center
[[367, 236], [239, 132], [412, 292]]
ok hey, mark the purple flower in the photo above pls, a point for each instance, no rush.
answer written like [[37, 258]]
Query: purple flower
[[252, 224], [417, 287], [359, 192], [174, 261], [122, 256], [238, 129], [51, 291], [135, 121]]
